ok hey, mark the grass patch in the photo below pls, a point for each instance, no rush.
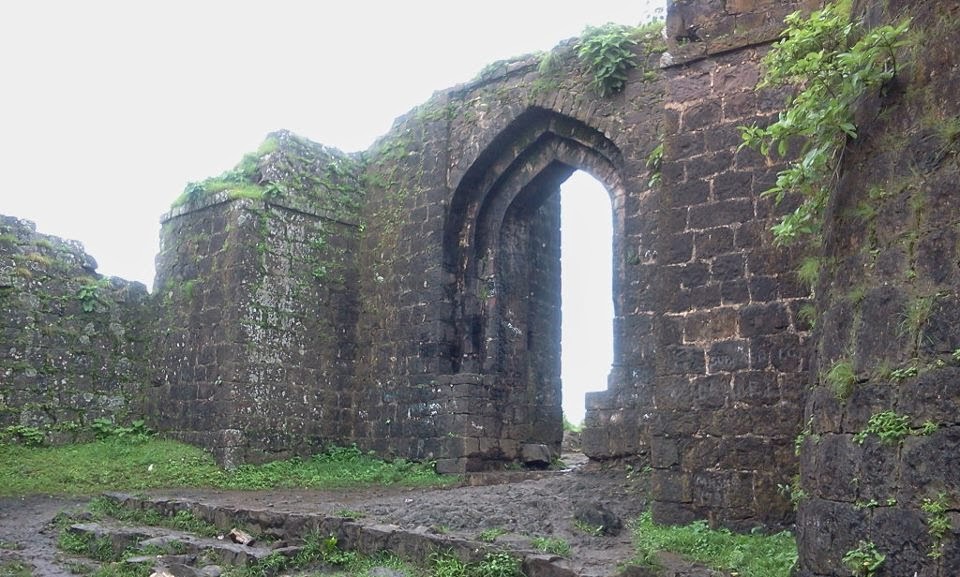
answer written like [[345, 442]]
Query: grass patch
[[336, 467], [749, 555], [14, 569], [552, 545], [182, 520], [499, 564], [123, 465]]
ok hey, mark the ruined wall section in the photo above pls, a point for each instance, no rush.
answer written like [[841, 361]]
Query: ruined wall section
[[74, 342], [256, 344], [731, 344], [881, 451], [436, 394], [402, 326]]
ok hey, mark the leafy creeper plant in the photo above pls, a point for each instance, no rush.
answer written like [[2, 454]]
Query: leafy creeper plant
[[834, 62], [865, 560], [606, 50]]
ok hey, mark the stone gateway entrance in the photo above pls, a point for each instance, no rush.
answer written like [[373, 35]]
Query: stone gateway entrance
[[407, 298]]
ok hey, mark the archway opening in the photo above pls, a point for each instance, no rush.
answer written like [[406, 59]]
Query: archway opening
[[586, 233]]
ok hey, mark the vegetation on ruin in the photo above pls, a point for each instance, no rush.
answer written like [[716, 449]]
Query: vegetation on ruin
[[242, 180], [891, 427], [128, 463], [552, 545], [841, 378], [747, 555], [302, 166], [834, 62], [938, 523], [499, 564], [864, 560], [608, 53]]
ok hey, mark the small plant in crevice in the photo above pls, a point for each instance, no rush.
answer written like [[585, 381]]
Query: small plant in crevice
[[807, 431], [928, 428], [13, 568], [841, 378], [89, 295], [655, 164], [864, 560], [834, 61], [809, 272], [792, 491], [498, 564], [888, 426], [807, 313], [349, 514], [915, 315], [856, 294], [938, 523], [444, 564], [137, 431], [551, 63]]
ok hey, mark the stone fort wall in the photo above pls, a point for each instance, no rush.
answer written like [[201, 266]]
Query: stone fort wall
[[407, 299]]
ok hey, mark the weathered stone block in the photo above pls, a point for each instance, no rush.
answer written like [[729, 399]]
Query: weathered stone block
[[671, 486], [763, 319], [678, 359], [728, 356], [710, 325]]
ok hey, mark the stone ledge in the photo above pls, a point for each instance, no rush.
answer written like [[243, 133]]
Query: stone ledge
[[695, 51]]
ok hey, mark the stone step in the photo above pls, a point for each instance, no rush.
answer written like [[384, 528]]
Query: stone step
[[124, 538], [365, 537]]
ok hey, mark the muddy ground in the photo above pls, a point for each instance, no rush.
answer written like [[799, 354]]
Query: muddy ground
[[520, 506]]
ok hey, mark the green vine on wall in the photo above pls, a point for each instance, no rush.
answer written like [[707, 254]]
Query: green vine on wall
[[834, 61]]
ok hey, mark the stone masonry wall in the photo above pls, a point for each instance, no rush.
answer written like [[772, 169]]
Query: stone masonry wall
[[407, 299], [258, 308], [731, 347], [460, 354], [881, 449], [74, 342]]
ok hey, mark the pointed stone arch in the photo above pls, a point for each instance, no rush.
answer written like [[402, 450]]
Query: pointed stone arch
[[502, 256]]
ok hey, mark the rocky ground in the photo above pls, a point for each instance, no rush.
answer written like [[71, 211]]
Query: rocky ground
[[516, 507]]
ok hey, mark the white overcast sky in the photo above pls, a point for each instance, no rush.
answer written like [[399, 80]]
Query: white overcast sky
[[108, 108]]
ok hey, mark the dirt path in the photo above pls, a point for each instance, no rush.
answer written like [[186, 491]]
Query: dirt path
[[518, 510], [25, 534]]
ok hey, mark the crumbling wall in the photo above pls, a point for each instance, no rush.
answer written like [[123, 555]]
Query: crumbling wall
[[74, 343], [879, 456], [257, 300], [460, 292], [407, 299]]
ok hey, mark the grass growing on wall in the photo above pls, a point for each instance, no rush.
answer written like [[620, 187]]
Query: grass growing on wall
[[746, 555], [122, 465]]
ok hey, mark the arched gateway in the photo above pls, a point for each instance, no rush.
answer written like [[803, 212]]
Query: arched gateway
[[501, 250], [408, 299]]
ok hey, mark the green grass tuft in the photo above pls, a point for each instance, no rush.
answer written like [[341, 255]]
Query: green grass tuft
[[749, 555], [123, 465]]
